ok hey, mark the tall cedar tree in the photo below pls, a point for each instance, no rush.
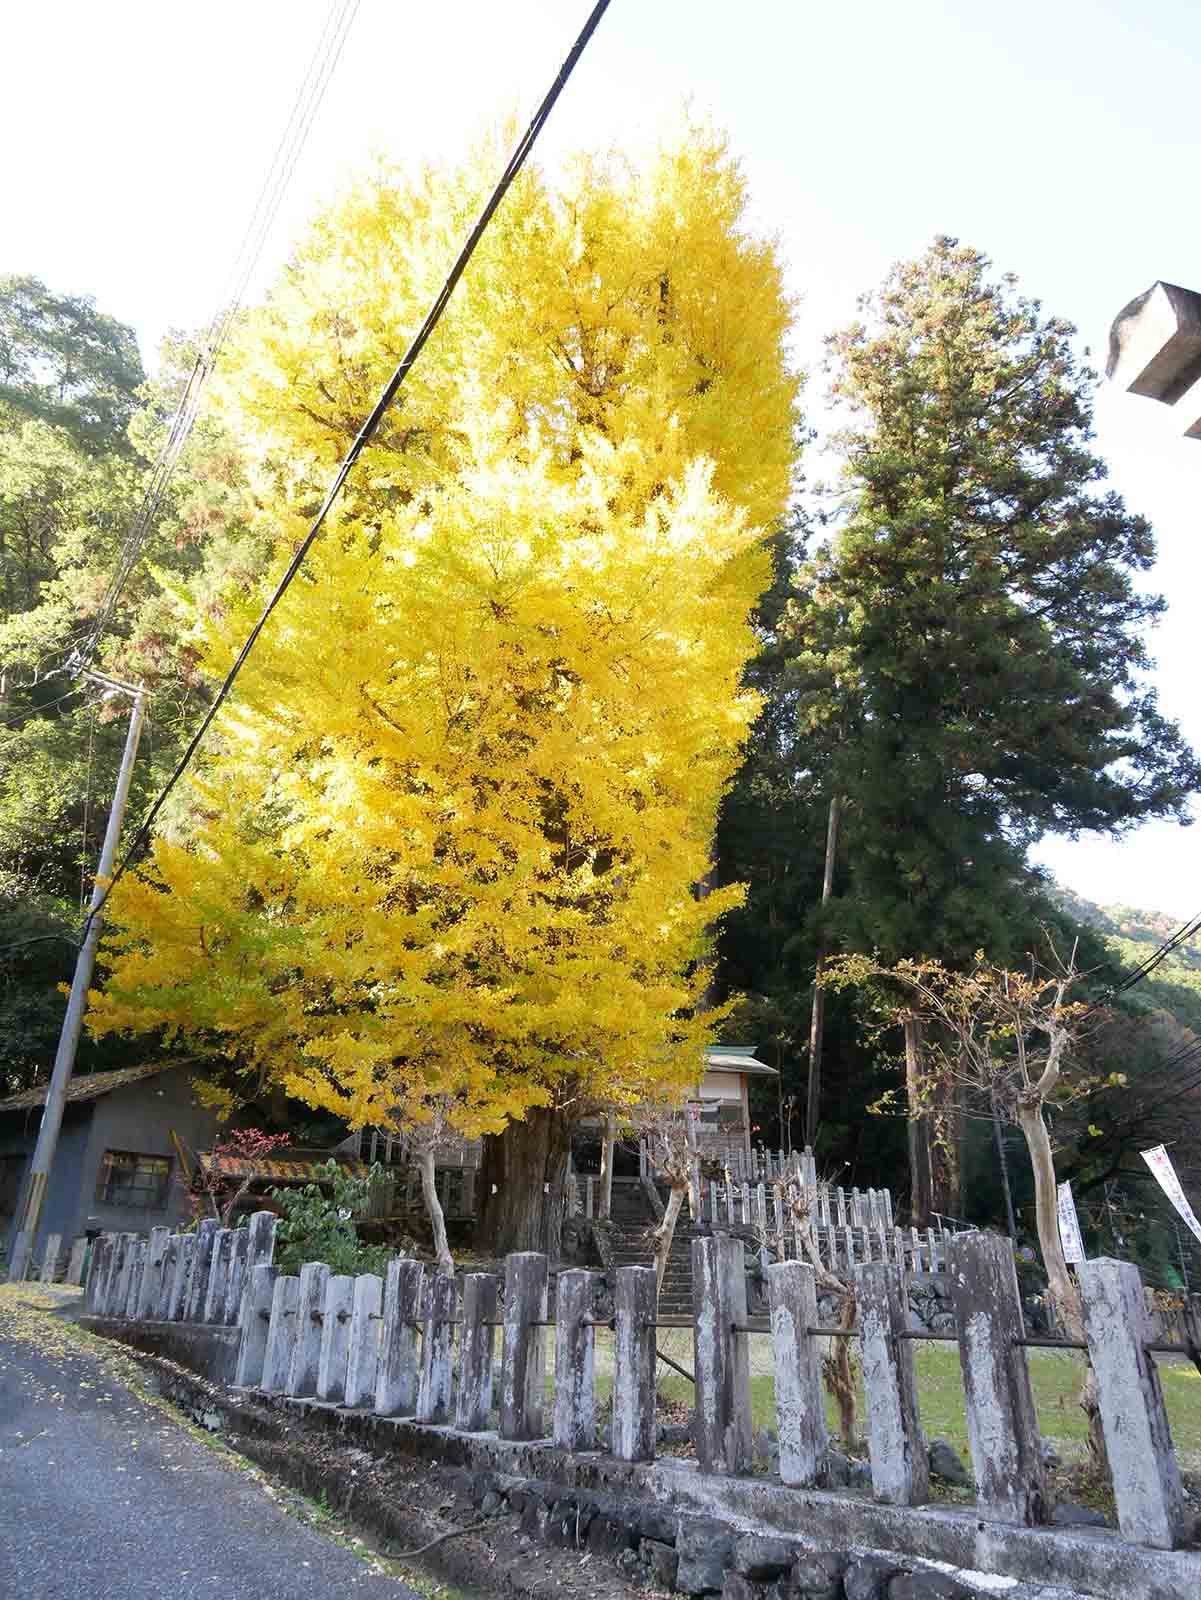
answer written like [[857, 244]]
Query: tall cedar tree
[[443, 859]]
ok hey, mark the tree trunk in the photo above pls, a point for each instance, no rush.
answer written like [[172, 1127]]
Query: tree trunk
[[433, 1206], [921, 1177], [608, 1151], [946, 1125], [664, 1234], [818, 1015], [526, 1166]]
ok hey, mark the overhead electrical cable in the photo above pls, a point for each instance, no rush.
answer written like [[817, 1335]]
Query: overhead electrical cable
[[433, 316], [304, 111]]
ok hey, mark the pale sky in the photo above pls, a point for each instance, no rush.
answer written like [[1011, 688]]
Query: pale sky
[[1060, 136]]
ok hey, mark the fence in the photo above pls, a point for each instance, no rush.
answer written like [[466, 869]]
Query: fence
[[388, 1346]]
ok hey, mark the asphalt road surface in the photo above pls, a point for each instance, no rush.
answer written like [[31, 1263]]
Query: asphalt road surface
[[104, 1497]]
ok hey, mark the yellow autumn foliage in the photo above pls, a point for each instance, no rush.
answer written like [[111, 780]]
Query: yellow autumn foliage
[[447, 843]]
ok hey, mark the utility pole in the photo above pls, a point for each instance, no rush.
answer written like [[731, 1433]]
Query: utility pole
[[64, 1060], [818, 1014]]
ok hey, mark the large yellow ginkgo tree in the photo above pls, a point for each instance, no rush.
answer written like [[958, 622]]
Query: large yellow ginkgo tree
[[442, 856]]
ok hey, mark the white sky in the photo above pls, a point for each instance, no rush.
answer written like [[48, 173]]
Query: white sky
[[1061, 138]]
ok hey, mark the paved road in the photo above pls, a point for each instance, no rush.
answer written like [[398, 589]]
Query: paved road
[[103, 1497]]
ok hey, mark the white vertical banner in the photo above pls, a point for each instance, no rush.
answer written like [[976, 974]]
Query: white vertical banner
[[1069, 1226], [1160, 1163]]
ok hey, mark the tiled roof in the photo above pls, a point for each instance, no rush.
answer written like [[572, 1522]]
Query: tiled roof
[[293, 1167], [91, 1085]]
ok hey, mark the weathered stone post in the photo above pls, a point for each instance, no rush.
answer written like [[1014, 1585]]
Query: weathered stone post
[[161, 1309], [477, 1345], [310, 1314], [396, 1390], [634, 1369], [1142, 1462], [181, 1280], [152, 1274], [574, 1426], [54, 1244], [97, 1272], [137, 1266], [362, 1367], [282, 1331], [523, 1356], [800, 1403], [214, 1295], [896, 1446], [437, 1347], [112, 1264], [335, 1338], [722, 1362], [119, 1282], [1002, 1425], [202, 1262], [75, 1262], [239, 1253], [254, 1317], [261, 1230]]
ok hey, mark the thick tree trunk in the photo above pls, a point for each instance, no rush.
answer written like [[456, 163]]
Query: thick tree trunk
[[921, 1177], [946, 1151], [818, 1015], [433, 1206], [522, 1184]]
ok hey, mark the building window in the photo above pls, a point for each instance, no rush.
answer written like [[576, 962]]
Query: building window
[[127, 1179]]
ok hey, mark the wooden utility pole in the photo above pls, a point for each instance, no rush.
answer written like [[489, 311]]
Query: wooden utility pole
[[817, 1016], [64, 1061]]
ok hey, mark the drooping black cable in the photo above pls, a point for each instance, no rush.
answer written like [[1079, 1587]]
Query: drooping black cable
[[516, 161]]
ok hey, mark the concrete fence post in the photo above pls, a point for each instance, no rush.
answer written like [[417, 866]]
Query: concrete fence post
[[152, 1274], [362, 1367], [1142, 1461], [137, 1266], [396, 1390], [214, 1294], [161, 1307], [54, 1244], [239, 1256], [335, 1338], [896, 1446], [1002, 1425], [634, 1364], [477, 1347], [523, 1356], [254, 1317], [282, 1330], [182, 1278], [800, 1402], [79, 1248], [310, 1315], [437, 1350], [574, 1423], [202, 1262], [722, 1359]]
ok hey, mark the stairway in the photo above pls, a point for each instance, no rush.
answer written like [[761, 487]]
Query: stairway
[[632, 1221]]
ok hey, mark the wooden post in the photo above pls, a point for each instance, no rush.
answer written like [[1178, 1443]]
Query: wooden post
[[800, 1405], [523, 1360], [634, 1366], [335, 1338], [396, 1391], [152, 1273], [1002, 1426], [721, 1365], [574, 1425], [437, 1349], [282, 1330], [202, 1262], [1138, 1441], [477, 1346], [362, 1367], [310, 1314], [900, 1468], [214, 1294], [254, 1317], [97, 1271]]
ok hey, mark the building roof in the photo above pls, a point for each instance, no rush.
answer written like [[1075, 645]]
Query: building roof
[[294, 1166], [91, 1085], [737, 1058]]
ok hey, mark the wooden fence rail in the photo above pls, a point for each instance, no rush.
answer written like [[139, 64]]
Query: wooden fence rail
[[390, 1346]]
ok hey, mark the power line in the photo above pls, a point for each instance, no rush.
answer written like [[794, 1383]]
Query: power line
[[304, 111], [433, 316]]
